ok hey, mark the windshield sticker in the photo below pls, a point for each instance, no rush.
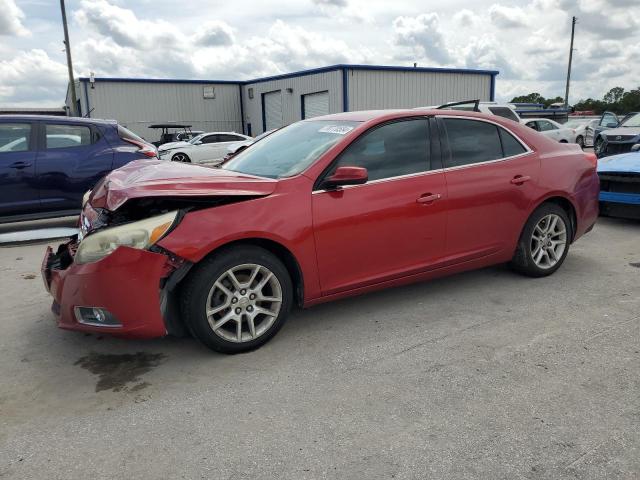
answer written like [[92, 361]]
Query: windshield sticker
[[337, 129]]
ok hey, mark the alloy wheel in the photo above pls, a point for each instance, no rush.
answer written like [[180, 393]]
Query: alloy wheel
[[244, 302], [180, 157], [548, 241]]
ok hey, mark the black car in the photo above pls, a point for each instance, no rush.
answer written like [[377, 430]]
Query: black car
[[612, 137]]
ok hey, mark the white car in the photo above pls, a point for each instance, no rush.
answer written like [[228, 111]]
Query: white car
[[584, 129], [505, 110], [209, 148], [552, 129]]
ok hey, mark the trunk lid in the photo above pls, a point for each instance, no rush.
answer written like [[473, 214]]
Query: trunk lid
[[149, 178]]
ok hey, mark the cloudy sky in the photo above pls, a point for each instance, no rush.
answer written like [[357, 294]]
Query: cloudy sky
[[527, 41]]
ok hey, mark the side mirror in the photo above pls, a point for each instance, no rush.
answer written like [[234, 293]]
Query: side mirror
[[636, 147], [611, 125], [346, 176], [199, 142]]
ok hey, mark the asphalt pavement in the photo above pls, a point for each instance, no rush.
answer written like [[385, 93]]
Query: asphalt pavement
[[482, 375]]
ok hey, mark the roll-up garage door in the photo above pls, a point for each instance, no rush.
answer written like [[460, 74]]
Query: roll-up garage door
[[272, 110], [315, 104]]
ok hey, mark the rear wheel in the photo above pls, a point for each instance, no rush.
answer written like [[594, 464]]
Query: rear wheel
[[544, 242], [238, 299], [181, 157]]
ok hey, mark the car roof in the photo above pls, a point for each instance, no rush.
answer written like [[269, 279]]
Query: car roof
[[536, 119], [58, 119], [368, 115]]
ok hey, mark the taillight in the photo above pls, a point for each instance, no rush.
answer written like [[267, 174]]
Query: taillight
[[144, 148], [592, 158]]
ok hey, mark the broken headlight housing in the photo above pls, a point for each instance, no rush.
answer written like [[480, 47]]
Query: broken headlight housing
[[141, 235]]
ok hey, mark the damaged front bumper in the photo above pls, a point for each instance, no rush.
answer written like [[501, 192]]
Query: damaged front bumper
[[124, 291]]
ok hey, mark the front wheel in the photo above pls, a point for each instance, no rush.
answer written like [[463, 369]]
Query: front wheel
[[237, 299], [580, 141], [181, 157], [544, 242], [599, 147]]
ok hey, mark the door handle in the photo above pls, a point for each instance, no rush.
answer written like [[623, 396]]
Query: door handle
[[428, 198], [520, 179], [20, 165]]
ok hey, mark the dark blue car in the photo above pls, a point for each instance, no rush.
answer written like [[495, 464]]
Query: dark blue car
[[48, 163]]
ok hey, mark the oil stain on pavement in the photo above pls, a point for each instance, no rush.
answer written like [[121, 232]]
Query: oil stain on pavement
[[116, 371]]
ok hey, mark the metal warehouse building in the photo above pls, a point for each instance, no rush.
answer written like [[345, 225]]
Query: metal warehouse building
[[261, 104]]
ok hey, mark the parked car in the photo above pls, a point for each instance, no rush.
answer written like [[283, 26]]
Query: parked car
[[48, 163], [553, 130], [620, 185], [236, 148], [321, 209], [613, 136], [505, 110], [209, 148], [583, 129]]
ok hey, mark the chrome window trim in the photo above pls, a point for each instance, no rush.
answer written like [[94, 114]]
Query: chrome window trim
[[384, 180]]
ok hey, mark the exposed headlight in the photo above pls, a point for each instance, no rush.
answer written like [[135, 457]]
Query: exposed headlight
[[140, 235]]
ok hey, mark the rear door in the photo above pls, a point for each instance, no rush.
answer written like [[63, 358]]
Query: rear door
[[491, 178], [391, 226], [549, 129], [18, 186], [71, 159]]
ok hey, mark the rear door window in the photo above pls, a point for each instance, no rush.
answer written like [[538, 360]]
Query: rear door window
[[210, 139], [510, 146], [545, 126], [472, 141], [67, 136], [229, 138], [15, 137]]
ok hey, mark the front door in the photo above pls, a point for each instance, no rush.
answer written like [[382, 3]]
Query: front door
[[391, 226], [18, 189], [71, 159], [491, 177]]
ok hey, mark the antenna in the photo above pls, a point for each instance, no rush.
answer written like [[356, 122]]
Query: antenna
[[566, 92]]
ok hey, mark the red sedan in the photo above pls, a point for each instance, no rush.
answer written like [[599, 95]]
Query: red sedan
[[319, 210]]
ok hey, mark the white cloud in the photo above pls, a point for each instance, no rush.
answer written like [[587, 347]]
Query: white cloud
[[32, 77], [465, 18], [11, 18], [507, 17], [214, 33], [423, 36]]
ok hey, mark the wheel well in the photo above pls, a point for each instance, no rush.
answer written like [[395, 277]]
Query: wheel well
[[567, 206], [285, 257]]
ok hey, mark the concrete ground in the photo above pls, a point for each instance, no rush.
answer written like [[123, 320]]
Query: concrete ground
[[483, 375]]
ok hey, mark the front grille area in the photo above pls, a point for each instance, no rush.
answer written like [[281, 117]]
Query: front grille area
[[620, 138], [620, 182], [616, 148]]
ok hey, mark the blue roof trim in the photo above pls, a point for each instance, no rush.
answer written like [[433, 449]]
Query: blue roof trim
[[301, 73], [158, 80]]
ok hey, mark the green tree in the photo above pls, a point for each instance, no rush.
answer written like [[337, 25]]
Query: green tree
[[614, 95], [531, 98], [630, 101]]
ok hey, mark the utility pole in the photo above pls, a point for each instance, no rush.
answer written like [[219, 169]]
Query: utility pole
[[67, 47], [566, 93]]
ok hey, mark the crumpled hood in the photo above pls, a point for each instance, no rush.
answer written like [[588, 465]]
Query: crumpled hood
[[172, 145], [626, 162], [157, 178], [612, 132]]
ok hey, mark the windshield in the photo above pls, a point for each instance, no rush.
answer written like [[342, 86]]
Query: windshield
[[633, 121], [290, 150], [196, 138]]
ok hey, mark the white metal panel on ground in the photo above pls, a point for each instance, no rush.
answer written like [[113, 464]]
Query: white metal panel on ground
[[378, 89], [315, 104], [272, 104]]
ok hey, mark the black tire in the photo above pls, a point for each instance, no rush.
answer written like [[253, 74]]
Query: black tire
[[580, 141], [599, 147], [563, 141], [180, 157], [522, 260], [196, 288]]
